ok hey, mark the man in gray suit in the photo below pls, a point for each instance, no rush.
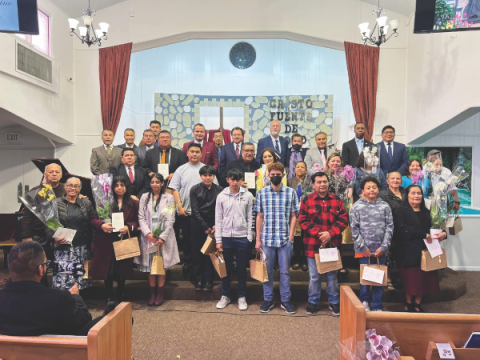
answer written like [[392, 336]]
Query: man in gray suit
[[318, 154], [106, 155], [148, 144], [129, 135]]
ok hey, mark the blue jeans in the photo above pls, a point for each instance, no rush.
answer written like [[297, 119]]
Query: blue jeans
[[284, 256], [315, 285], [240, 248], [377, 291]]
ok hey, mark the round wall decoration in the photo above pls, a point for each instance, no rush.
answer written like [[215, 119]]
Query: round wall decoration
[[242, 55]]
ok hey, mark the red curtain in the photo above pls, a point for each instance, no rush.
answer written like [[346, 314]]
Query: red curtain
[[362, 65], [226, 136], [114, 68]]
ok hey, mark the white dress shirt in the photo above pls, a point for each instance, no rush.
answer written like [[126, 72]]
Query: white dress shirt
[[133, 170], [149, 148]]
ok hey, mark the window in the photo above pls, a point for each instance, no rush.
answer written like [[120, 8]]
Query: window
[[42, 40]]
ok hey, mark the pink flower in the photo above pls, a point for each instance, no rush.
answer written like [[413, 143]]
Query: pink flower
[[465, 14], [256, 172]]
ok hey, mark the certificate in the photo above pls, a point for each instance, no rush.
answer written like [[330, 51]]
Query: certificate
[[373, 275], [163, 170], [328, 255], [434, 248], [68, 234], [250, 180], [117, 221]]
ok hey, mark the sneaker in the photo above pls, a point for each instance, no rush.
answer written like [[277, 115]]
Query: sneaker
[[224, 301], [377, 310], [366, 306], [335, 309], [312, 309], [242, 304], [266, 307], [288, 307]]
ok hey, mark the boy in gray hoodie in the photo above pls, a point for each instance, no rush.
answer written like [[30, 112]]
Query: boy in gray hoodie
[[233, 233], [371, 222]]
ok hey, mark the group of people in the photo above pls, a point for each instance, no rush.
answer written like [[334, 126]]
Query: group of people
[[208, 191]]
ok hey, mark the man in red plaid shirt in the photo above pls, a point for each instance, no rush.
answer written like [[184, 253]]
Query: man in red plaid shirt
[[323, 218]]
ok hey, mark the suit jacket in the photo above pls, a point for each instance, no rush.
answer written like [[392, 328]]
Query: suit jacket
[[141, 153], [303, 153], [124, 145], [177, 159], [141, 184], [240, 165], [228, 154], [314, 156], [400, 158], [100, 160], [267, 142], [31, 309], [350, 151], [209, 153]]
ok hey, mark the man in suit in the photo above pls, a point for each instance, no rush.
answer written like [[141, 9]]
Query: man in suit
[[218, 141], [156, 127], [209, 153], [129, 136], [393, 155], [295, 154], [318, 154], [136, 175], [164, 154], [106, 155], [231, 151], [148, 144], [245, 164], [352, 149], [275, 142]]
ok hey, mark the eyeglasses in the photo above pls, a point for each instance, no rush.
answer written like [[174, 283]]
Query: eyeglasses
[[389, 132], [73, 186], [48, 262], [249, 151]]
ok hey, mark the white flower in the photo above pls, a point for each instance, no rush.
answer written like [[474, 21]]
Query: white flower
[[374, 150], [428, 167], [168, 210], [452, 180], [439, 187]]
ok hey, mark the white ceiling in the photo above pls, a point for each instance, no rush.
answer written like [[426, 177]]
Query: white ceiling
[[74, 8], [404, 7]]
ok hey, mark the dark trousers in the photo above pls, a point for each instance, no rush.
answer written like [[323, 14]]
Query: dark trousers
[[299, 251], [240, 248], [202, 264], [187, 241]]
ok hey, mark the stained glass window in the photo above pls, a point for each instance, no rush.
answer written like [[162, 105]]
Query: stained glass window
[[242, 55]]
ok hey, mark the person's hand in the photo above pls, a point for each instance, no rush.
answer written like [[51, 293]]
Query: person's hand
[[291, 238], [441, 236], [258, 245], [324, 237], [159, 242], [61, 241], [151, 174], [74, 290], [82, 196], [213, 229], [456, 207], [182, 211], [429, 238], [367, 253], [379, 253], [151, 239], [108, 228], [92, 247], [208, 232], [134, 198], [220, 247], [169, 177], [27, 239], [124, 230], [244, 184]]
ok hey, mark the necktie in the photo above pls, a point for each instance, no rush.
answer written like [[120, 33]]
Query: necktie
[[130, 175], [162, 161], [277, 148], [219, 153], [237, 152], [390, 154], [109, 149], [324, 160]]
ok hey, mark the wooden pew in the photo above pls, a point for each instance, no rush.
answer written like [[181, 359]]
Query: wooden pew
[[460, 353], [110, 338], [413, 332]]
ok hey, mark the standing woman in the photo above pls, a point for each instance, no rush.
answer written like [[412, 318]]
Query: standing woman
[[361, 173], [414, 166], [76, 214], [104, 265], [412, 223], [268, 156], [157, 210]]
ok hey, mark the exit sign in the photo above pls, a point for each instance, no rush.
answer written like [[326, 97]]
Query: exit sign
[[13, 137]]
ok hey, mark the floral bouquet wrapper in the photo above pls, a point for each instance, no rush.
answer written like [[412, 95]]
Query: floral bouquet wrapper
[[41, 202], [345, 180], [372, 161], [439, 210], [316, 168], [168, 212], [374, 347], [102, 194]]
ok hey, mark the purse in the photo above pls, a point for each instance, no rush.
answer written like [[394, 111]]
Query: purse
[[430, 264], [383, 268], [126, 249], [210, 245], [219, 264], [347, 236], [457, 226], [324, 267], [258, 269], [157, 263]]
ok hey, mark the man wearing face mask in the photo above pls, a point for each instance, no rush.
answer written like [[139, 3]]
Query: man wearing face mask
[[320, 153], [275, 142], [294, 155]]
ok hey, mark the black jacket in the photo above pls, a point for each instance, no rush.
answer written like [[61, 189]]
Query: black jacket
[[202, 202], [389, 197], [152, 159], [240, 165], [350, 151], [31, 309], [141, 184], [87, 209]]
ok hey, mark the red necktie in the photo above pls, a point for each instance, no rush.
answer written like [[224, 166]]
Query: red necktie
[[130, 175], [237, 152]]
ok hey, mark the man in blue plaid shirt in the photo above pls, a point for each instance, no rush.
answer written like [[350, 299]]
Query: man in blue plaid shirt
[[276, 208]]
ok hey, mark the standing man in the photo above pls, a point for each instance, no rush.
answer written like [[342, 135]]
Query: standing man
[[232, 150], [129, 136], [276, 208], [148, 144], [209, 153], [218, 141], [105, 155], [323, 218], [352, 149], [275, 142], [318, 154], [295, 154], [393, 155], [156, 127], [185, 177]]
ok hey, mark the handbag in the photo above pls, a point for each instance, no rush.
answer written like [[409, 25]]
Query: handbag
[[87, 265], [457, 226], [324, 267], [258, 269], [126, 249], [430, 264], [219, 264], [383, 268], [157, 263], [347, 236], [210, 245]]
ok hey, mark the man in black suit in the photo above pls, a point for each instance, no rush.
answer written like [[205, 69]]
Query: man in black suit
[[245, 164], [231, 151], [352, 149], [136, 175], [129, 136], [30, 309], [298, 155], [148, 144], [164, 154]]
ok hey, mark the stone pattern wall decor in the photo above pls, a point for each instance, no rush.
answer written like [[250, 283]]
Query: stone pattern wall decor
[[305, 114]]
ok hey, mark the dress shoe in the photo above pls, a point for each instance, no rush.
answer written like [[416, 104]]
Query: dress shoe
[[151, 299], [110, 306], [305, 267], [296, 267], [208, 286], [198, 285], [159, 297]]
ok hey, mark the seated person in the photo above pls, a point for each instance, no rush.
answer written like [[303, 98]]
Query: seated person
[[31, 309]]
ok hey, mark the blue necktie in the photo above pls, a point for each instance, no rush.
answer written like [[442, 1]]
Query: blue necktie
[[390, 154], [277, 149]]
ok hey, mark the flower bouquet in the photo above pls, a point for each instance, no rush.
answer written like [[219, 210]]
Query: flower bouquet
[[372, 161], [316, 168], [458, 175], [166, 213], [438, 210], [305, 188], [102, 193], [344, 180], [41, 202], [381, 347]]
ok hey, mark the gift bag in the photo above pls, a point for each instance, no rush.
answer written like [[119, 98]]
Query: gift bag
[[324, 267], [210, 245], [219, 264], [87, 265], [457, 226], [347, 236], [438, 262], [258, 269], [382, 277], [157, 263], [125, 249]]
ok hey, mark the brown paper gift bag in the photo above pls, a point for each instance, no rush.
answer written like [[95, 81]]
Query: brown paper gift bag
[[219, 264], [125, 249], [87, 265], [430, 264], [258, 269], [210, 245], [324, 267], [457, 226], [378, 267], [347, 236], [157, 263]]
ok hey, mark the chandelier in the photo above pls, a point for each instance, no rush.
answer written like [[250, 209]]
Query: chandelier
[[382, 29], [88, 34]]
